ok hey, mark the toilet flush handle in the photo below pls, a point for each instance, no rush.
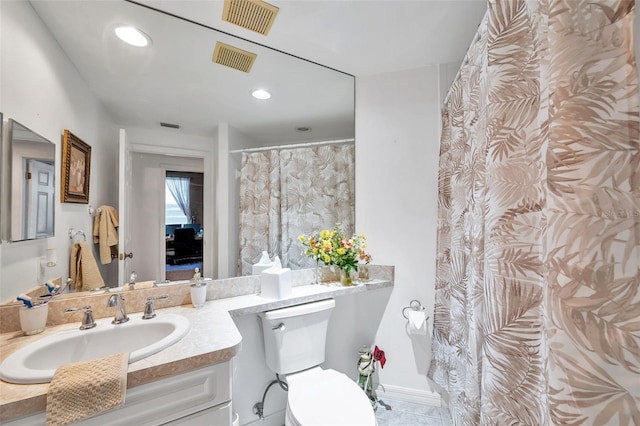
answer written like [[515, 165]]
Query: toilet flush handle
[[279, 327]]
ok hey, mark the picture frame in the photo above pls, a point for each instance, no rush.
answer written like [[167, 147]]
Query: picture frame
[[76, 169]]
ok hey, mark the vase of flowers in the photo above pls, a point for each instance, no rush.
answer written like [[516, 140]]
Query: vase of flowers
[[346, 278], [335, 247]]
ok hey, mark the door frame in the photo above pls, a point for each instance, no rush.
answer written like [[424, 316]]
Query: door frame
[[209, 240]]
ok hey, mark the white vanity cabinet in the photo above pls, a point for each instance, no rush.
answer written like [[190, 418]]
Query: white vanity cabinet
[[198, 397]]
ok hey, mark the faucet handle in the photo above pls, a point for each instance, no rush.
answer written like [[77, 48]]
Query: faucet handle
[[114, 299], [149, 311], [117, 300], [87, 319]]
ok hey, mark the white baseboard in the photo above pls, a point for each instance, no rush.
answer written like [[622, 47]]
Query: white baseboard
[[418, 396]]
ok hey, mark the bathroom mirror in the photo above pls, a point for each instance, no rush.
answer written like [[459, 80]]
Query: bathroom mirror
[[2, 177], [177, 85], [31, 163]]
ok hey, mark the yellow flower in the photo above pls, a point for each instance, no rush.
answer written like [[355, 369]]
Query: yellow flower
[[334, 247]]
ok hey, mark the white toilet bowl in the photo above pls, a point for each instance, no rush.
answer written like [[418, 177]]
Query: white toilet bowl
[[295, 343], [320, 397]]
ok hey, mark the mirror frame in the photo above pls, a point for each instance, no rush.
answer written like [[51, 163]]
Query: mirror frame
[[9, 166]]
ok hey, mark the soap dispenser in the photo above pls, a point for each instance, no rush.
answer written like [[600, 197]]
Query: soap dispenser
[[198, 290]]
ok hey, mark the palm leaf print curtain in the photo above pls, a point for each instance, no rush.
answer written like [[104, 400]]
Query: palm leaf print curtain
[[537, 310], [290, 192], [259, 221]]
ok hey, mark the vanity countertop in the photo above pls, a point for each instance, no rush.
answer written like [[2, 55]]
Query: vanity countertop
[[213, 338]]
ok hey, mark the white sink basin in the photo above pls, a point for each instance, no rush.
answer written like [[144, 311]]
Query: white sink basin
[[36, 362]]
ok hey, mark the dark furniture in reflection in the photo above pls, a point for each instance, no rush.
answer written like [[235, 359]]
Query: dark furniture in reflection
[[168, 229], [195, 226], [186, 247]]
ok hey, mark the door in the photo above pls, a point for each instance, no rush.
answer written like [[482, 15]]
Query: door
[[40, 198], [124, 194]]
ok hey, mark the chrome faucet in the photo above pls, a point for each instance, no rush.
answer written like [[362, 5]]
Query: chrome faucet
[[117, 301], [132, 280], [149, 311], [87, 319]]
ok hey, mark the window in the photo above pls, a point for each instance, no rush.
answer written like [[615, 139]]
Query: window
[[173, 213]]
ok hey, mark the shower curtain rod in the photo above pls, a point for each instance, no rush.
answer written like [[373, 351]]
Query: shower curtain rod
[[293, 145]]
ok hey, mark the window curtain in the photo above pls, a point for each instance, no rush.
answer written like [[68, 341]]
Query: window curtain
[[179, 188], [537, 306], [290, 192]]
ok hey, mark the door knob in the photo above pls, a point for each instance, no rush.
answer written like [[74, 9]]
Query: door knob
[[124, 256]]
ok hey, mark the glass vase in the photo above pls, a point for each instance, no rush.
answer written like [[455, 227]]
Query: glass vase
[[345, 278], [363, 272], [317, 274]]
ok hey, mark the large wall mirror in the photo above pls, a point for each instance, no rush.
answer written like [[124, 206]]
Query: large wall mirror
[[176, 81], [32, 184], [2, 178]]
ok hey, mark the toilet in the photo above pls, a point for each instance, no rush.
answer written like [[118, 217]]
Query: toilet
[[294, 340]]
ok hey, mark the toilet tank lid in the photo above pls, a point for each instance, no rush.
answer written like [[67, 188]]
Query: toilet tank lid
[[297, 310]]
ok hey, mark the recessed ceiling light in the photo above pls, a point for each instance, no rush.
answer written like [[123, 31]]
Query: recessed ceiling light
[[261, 94], [132, 36]]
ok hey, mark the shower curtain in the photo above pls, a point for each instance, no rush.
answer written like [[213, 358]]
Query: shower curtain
[[288, 192], [537, 310]]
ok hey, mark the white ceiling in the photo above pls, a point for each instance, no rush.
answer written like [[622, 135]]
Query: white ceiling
[[175, 81], [360, 37]]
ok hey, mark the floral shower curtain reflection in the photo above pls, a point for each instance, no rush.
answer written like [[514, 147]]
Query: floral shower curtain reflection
[[537, 291], [288, 192]]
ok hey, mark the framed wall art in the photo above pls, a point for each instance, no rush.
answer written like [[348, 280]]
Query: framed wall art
[[76, 169]]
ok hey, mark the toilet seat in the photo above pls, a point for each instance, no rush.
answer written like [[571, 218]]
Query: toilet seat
[[319, 397]]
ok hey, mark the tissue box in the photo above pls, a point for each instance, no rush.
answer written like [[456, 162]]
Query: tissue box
[[276, 284], [257, 269]]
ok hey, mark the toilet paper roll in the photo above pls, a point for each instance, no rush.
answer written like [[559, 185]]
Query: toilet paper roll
[[417, 322]]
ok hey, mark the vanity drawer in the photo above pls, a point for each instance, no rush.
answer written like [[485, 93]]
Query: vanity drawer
[[164, 400], [219, 416]]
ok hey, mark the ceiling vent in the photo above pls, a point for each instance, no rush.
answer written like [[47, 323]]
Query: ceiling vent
[[233, 57], [254, 15]]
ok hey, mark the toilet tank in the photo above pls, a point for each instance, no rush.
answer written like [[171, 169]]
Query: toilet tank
[[294, 337]]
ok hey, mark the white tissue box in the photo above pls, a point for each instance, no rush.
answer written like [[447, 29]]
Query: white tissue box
[[258, 268], [276, 284]]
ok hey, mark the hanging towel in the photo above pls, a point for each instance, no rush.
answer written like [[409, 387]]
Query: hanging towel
[[84, 271], [105, 222], [83, 389]]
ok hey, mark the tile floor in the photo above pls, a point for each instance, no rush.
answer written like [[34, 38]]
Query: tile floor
[[410, 414]]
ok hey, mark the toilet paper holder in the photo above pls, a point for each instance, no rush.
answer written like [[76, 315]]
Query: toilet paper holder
[[415, 305]]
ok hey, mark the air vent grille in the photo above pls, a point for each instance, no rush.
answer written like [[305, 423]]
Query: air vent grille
[[233, 57], [254, 15]]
